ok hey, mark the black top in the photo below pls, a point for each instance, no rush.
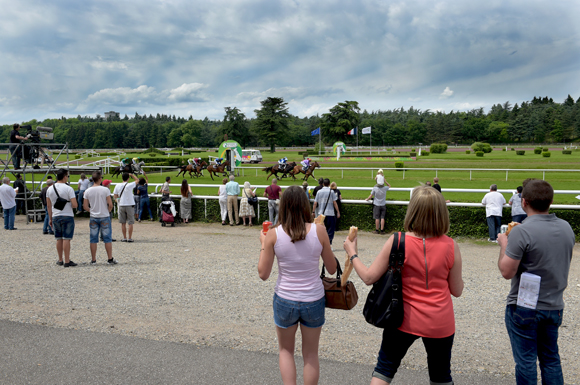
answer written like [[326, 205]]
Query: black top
[[437, 187], [13, 134], [316, 190], [21, 187]]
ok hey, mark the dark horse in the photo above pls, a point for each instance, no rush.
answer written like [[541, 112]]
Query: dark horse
[[128, 169], [275, 169], [197, 171], [213, 169], [308, 173]]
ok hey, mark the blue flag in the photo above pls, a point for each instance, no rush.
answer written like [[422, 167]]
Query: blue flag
[[315, 132]]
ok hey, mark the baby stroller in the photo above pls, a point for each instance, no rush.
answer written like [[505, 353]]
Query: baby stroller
[[167, 212]]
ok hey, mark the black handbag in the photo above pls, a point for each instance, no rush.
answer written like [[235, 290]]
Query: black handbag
[[384, 305], [251, 200], [338, 296], [60, 203]]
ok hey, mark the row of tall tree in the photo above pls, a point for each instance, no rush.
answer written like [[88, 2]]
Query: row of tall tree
[[537, 121]]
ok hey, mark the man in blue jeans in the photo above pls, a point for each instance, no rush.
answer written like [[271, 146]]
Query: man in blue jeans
[[538, 251], [493, 202], [8, 200], [99, 203], [46, 229], [62, 220]]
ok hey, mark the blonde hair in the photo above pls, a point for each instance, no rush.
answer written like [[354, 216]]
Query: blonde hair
[[427, 214], [333, 186]]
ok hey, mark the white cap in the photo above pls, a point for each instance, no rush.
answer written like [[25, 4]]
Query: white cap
[[380, 170]]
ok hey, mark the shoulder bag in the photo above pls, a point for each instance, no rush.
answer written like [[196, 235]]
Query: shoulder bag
[[251, 200], [338, 296], [60, 202], [384, 305]]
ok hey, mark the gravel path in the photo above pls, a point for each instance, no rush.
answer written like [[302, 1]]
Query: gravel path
[[198, 284]]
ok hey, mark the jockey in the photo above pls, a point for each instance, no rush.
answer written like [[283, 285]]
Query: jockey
[[305, 164], [218, 161], [135, 163], [125, 162], [282, 162], [192, 162]]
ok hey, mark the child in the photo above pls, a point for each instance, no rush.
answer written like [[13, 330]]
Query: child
[[380, 178]]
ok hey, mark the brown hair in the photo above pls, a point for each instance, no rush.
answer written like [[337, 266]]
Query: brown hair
[[539, 194], [294, 213], [184, 188], [427, 214], [96, 176], [225, 181]]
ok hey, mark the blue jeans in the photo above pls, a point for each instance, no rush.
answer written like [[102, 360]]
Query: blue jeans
[[395, 345], [519, 218], [64, 227], [46, 227], [534, 335], [288, 313], [145, 202], [80, 195], [9, 215], [104, 226], [16, 155], [137, 200], [330, 224], [494, 225]]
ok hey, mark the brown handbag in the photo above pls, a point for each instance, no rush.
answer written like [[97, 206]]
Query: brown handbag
[[338, 296]]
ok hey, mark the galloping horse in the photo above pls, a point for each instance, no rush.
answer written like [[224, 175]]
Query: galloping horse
[[275, 169], [128, 169], [308, 173], [197, 171], [213, 169]]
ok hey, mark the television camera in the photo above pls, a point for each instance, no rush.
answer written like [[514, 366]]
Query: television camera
[[34, 154]]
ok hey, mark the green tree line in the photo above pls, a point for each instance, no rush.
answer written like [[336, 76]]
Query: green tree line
[[537, 121]]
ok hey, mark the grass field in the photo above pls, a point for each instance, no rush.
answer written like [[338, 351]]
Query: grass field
[[447, 178]]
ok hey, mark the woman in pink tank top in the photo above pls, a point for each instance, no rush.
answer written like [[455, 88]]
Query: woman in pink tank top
[[431, 274], [297, 245]]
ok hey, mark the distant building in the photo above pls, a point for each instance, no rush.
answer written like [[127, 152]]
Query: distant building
[[111, 114]]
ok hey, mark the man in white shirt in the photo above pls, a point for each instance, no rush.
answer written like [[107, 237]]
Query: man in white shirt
[[493, 202], [62, 221], [8, 200], [99, 200], [124, 196]]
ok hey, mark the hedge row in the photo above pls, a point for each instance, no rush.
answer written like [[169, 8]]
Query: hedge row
[[465, 221]]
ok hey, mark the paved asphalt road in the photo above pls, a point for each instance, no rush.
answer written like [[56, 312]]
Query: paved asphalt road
[[34, 354]]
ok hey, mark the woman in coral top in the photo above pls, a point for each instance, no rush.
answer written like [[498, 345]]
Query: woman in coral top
[[431, 274]]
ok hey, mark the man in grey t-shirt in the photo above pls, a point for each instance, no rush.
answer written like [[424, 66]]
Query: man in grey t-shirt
[[379, 205], [542, 245], [326, 201]]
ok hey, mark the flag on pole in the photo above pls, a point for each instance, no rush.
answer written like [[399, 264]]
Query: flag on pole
[[352, 132], [366, 130], [315, 132]]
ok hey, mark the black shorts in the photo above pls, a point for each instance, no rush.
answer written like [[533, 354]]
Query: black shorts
[[379, 212]]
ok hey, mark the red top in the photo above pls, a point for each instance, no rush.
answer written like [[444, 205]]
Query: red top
[[426, 296], [273, 191]]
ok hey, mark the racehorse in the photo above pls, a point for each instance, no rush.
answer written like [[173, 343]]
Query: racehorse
[[128, 169], [197, 171], [275, 169], [213, 169], [308, 173]]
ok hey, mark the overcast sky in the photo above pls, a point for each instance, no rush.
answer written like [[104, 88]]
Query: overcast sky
[[65, 58]]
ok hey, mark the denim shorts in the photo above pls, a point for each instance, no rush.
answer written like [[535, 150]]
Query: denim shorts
[[288, 313], [104, 226], [64, 227]]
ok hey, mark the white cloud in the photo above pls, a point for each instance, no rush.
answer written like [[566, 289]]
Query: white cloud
[[447, 93], [108, 65], [145, 95]]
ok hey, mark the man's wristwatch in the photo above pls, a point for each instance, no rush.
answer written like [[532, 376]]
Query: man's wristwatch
[[353, 257]]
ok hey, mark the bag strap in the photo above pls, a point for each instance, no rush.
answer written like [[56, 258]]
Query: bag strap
[[338, 271], [56, 191], [327, 199], [397, 257], [120, 195]]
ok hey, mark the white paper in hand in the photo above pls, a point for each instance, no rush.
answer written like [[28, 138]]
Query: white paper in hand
[[529, 290]]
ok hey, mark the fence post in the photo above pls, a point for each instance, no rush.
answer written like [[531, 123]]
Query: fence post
[[403, 174], [342, 173], [436, 173], [544, 176], [470, 174], [506, 175], [205, 204]]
